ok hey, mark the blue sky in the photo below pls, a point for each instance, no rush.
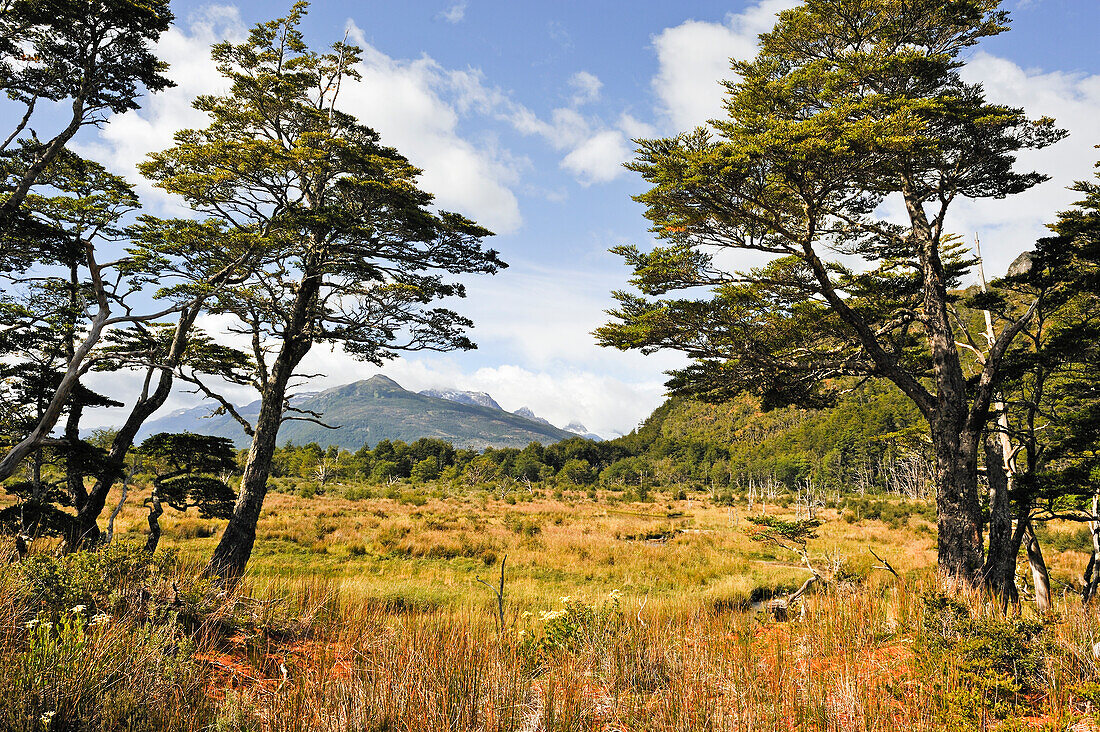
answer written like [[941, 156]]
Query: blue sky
[[521, 114]]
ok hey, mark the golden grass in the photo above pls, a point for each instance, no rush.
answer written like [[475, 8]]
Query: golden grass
[[432, 554], [368, 615]]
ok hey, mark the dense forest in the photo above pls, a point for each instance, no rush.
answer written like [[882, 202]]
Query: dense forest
[[868, 443]]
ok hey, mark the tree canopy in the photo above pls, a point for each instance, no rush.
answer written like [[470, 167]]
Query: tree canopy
[[344, 247], [851, 108]]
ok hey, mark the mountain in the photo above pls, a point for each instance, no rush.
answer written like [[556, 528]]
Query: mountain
[[526, 413], [476, 398], [372, 410], [579, 429]]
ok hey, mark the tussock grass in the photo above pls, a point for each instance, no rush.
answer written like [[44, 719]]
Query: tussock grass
[[366, 614]]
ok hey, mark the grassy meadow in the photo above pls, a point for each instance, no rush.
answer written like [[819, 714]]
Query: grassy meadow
[[363, 610]]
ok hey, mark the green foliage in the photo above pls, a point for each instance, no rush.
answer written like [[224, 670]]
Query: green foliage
[[1000, 662], [110, 580], [574, 625]]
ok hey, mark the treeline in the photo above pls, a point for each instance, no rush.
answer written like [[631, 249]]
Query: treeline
[[870, 442]]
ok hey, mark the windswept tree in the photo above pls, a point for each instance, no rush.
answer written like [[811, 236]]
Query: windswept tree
[[851, 109], [188, 472], [350, 251], [94, 56], [86, 269]]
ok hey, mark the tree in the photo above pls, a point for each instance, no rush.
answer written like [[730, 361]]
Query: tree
[[849, 103], [349, 251], [1042, 451], [93, 54], [186, 467], [791, 536], [85, 269]]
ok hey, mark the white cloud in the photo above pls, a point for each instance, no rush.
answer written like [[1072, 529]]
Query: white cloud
[[415, 105], [128, 138], [586, 88], [454, 14], [1012, 225], [694, 56], [598, 159]]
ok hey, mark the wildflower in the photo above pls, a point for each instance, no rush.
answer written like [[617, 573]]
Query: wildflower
[[30, 624], [101, 619], [79, 609]]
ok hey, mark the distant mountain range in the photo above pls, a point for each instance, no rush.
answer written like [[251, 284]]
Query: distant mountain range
[[367, 412], [477, 398]]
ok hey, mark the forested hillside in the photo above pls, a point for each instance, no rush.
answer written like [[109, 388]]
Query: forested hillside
[[870, 441]]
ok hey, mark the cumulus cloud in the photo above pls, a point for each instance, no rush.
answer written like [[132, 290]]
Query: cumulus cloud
[[416, 106], [598, 159], [693, 58]]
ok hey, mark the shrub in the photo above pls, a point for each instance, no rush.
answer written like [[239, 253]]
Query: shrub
[[575, 625], [998, 661]]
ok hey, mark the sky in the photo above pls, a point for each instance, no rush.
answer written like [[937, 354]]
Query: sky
[[521, 115]]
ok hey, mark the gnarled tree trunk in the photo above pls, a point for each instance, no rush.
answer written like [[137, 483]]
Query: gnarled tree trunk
[[231, 555], [959, 519], [999, 570]]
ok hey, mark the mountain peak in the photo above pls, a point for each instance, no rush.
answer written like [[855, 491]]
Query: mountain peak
[[526, 413], [476, 398], [380, 380]]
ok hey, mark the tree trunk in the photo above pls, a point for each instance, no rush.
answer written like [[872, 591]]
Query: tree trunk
[[74, 478], [999, 570], [235, 547], [231, 555], [147, 404], [155, 512], [1092, 572], [959, 519], [11, 461], [1039, 574]]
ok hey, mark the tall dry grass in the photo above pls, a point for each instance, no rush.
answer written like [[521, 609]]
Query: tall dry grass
[[855, 660], [116, 641]]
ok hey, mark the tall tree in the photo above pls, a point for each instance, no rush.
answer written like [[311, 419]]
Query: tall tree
[[851, 106], [94, 55], [350, 251], [1048, 423], [85, 269]]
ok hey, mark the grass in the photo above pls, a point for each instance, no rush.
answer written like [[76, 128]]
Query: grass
[[366, 614], [381, 547]]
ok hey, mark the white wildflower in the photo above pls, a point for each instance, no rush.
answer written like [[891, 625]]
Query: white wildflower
[[79, 609], [101, 619], [31, 624]]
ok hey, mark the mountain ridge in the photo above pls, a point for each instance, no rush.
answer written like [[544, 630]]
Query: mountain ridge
[[368, 411]]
